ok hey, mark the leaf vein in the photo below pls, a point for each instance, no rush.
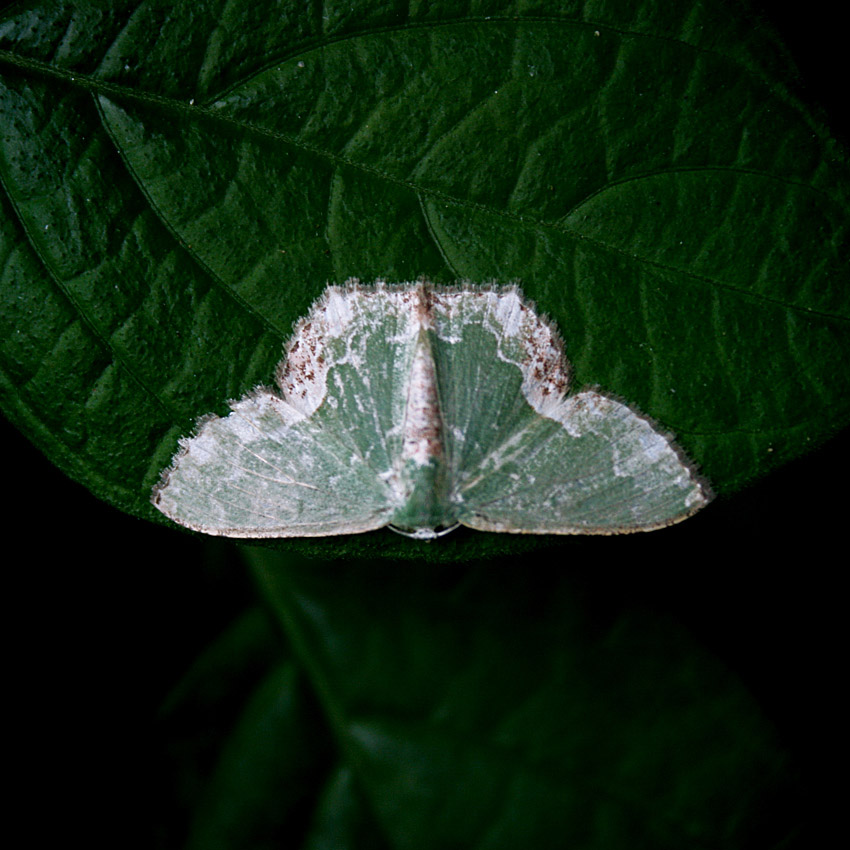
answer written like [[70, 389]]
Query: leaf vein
[[92, 326]]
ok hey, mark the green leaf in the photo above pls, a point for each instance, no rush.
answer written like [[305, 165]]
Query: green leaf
[[266, 768], [180, 181], [465, 707], [473, 708]]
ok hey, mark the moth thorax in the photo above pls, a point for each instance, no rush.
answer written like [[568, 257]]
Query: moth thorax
[[422, 441]]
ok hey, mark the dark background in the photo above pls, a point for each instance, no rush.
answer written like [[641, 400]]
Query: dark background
[[108, 610]]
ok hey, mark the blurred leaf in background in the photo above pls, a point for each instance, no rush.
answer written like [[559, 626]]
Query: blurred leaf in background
[[157, 694]]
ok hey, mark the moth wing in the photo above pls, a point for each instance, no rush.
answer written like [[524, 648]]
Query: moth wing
[[266, 471], [597, 468], [480, 339], [523, 457]]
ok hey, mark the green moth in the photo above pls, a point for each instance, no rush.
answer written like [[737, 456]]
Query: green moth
[[422, 408]]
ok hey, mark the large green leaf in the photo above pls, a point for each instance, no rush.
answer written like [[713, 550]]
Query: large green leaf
[[182, 179]]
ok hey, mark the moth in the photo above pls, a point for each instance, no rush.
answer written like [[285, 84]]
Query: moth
[[421, 408]]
